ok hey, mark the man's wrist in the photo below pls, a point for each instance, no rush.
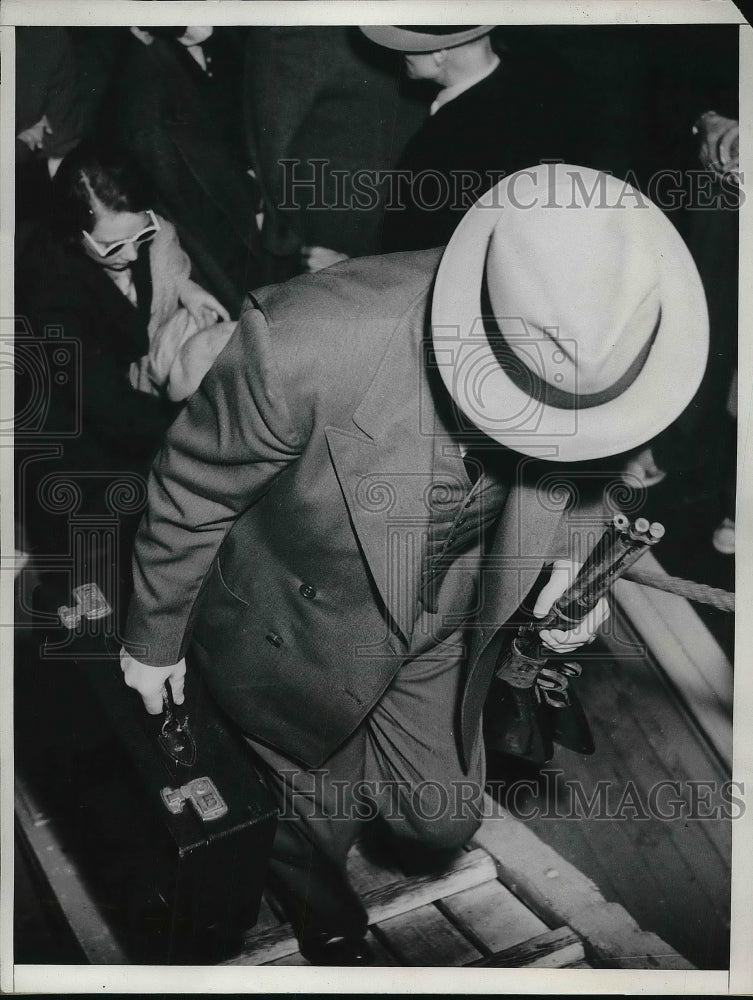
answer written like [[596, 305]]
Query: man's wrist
[[141, 653]]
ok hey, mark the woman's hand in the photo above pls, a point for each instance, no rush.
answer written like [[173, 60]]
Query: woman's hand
[[204, 308]]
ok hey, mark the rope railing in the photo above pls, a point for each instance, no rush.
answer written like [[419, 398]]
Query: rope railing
[[724, 600]]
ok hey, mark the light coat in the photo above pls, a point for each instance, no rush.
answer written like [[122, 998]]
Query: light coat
[[277, 509]]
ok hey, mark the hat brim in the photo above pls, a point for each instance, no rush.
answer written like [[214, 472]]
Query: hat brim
[[471, 372], [402, 40]]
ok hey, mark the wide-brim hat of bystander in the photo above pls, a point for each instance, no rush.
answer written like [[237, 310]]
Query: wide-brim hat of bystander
[[424, 37], [568, 318]]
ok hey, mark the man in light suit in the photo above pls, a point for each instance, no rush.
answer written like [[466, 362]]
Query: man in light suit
[[363, 490]]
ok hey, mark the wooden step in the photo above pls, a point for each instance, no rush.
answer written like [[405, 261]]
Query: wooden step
[[552, 950], [382, 903], [425, 938], [492, 917], [560, 894]]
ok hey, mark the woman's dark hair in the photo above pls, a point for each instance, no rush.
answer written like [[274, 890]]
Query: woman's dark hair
[[93, 174]]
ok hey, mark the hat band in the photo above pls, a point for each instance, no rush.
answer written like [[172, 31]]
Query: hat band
[[529, 382]]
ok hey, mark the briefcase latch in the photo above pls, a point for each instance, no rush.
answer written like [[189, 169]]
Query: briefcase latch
[[201, 793], [90, 603]]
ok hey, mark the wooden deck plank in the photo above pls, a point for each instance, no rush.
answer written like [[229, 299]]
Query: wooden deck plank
[[551, 950], [669, 729], [467, 870], [665, 729], [643, 844], [673, 852], [681, 852], [491, 917], [643, 736], [368, 870], [382, 903], [85, 919], [687, 652], [424, 937], [560, 894], [625, 761]]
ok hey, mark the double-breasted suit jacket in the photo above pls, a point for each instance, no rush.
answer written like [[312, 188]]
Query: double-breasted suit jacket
[[285, 508]]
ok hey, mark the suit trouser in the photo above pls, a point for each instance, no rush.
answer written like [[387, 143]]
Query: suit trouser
[[401, 767]]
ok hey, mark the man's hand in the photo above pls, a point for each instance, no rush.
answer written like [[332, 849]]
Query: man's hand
[[148, 681], [719, 144], [202, 305], [34, 136], [564, 572]]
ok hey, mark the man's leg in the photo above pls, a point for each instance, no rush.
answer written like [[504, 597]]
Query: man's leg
[[404, 759], [412, 753], [315, 831]]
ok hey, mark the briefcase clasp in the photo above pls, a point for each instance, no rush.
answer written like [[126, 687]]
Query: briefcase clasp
[[201, 793]]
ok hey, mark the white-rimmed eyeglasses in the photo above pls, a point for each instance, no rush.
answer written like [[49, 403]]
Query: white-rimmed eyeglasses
[[110, 249]]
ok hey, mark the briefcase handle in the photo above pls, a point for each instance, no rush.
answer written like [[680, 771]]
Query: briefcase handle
[[175, 737]]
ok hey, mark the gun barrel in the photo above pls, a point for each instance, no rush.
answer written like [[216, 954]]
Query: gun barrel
[[597, 577]]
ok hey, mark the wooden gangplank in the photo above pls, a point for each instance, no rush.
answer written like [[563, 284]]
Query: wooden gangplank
[[508, 901]]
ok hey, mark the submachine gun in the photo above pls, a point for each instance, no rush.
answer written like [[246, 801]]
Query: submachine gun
[[531, 705]]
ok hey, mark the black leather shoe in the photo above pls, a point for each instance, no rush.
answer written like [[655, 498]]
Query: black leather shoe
[[336, 949]]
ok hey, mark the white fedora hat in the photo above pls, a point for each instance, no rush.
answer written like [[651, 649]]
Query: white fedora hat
[[568, 318], [424, 37]]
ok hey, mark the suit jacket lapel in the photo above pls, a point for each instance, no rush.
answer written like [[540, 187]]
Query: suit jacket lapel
[[383, 461], [527, 528], [523, 542]]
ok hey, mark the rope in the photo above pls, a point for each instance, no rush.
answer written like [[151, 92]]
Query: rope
[[721, 599]]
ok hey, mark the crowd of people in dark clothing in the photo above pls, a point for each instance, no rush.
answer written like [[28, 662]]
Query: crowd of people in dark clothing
[[162, 173]]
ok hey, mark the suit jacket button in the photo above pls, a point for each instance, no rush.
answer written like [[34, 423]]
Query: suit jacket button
[[306, 590], [274, 638]]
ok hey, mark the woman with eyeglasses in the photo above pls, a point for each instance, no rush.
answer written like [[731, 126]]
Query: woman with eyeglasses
[[119, 332]]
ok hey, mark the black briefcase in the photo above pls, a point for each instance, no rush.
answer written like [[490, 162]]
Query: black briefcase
[[174, 821]]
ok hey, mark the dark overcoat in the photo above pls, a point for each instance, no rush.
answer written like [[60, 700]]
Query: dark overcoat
[[326, 95], [510, 120], [184, 129]]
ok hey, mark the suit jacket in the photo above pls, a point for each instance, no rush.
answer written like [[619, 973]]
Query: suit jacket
[[505, 122], [273, 534]]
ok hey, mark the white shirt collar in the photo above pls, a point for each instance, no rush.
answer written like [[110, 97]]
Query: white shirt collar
[[450, 93]]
